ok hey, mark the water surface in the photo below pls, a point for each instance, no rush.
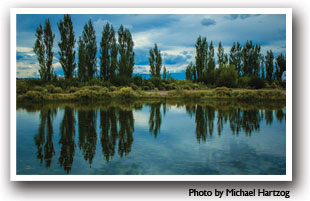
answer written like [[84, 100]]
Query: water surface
[[167, 138]]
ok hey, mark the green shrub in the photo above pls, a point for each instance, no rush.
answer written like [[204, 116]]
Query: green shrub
[[33, 96], [133, 86], [222, 92], [72, 89], [21, 87], [145, 88], [226, 76], [86, 94], [137, 80], [256, 83], [38, 88], [113, 88], [243, 82], [126, 92]]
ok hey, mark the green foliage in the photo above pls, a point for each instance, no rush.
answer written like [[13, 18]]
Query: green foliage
[[155, 81], [137, 80], [269, 65], [108, 51], [222, 92], [126, 92], [226, 76], [33, 96], [86, 95], [251, 59], [222, 57], [243, 82], [235, 57], [82, 60], [280, 66], [201, 59], [155, 61], [256, 82], [43, 48], [89, 40], [66, 46], [126, 57]]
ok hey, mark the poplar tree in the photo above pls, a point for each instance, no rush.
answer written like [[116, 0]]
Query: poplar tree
[[280, 65], [89, 39], [126, 58], [44, 50], [235, 57], [164, 73], [108, 51], [66, 46], [201, 57], [222, 57], [82, 60], [269, 65], [155, 61]]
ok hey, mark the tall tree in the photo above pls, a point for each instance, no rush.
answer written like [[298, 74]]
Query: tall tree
[[44, 50], [201, 56], [221, 58], [155, 61], [269, 65], [235, 57], [126, 59], [164, 73], [280, 65], [66, 46], [189, 72], [108, 51], [262, 59], [211, 61], [89, 39], [251, 58], [82, 60]]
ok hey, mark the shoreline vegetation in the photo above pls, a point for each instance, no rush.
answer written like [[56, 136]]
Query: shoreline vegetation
[[35, 90]]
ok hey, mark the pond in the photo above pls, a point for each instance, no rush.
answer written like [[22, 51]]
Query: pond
[[151, 138]]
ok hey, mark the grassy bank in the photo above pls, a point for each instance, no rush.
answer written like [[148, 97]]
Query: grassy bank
[[95, 93]]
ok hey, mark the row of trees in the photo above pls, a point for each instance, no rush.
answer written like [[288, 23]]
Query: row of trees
[[246, 60], [115, 58]]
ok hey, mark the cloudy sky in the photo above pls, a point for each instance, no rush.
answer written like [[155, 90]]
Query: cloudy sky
[[175, 35]]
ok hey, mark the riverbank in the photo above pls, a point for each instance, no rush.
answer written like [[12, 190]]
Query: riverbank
[[95, 93]]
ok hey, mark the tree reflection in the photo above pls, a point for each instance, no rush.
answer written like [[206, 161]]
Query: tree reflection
[[126, 128], [155, 118], [108, 125], [204, 117], [67, 133], [44, 138], [87, 133]]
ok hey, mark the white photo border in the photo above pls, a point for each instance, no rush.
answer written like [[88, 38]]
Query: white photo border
[[289, 103]]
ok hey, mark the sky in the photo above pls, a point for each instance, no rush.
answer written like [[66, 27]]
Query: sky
[[175, 35]]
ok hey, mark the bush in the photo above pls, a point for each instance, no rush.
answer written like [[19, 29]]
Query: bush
[[33, 96], [126, 92], [38, 88], [226, 76], [256, 83], [145, 88], [113, 88], [21, 87], [86, 94], [72, 89], [137, 80], [243, 82], [222, 92], [134, 87]]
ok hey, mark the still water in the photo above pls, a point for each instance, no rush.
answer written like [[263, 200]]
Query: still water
[[213, 138]]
